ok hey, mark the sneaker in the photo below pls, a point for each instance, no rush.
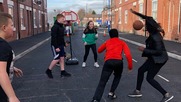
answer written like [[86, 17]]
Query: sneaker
[[135, 93], [94, 101], [111, 95], [58, 64], [167, 98], [96, 65], [49, 73], [83, 64], [65, 74]]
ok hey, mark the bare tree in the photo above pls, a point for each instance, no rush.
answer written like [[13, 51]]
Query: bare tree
[[81, 13]]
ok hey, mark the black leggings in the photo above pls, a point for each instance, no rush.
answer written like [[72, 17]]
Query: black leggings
[[94, 50], [109, 67], [152, 69]]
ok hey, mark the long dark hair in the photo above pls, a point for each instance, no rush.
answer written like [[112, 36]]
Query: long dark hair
[[87, 27], [160, 29]]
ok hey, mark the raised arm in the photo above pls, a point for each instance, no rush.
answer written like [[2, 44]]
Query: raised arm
[[138, 14]]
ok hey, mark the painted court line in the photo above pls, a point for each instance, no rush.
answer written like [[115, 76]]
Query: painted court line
[[163, 78], [172, 55], [30, 49]]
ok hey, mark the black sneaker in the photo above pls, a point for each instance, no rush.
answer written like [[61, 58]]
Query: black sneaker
[[167, 99], [111, 95], [135, 93], [65, 74], [49, 73]]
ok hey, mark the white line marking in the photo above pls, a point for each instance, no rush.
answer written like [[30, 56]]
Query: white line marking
[[172, 55], [135, 60], [163, 78], [30, 49]]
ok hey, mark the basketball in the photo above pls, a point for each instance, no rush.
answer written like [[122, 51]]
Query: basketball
[[137, 25]]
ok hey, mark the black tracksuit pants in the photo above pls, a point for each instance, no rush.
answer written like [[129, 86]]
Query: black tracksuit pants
[[152, 69], [94, 50], [109, 67]]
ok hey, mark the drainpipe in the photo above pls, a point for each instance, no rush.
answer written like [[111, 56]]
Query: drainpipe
[[169, 16], [145, 15], [32, 25], [18, 26], [179, 17]]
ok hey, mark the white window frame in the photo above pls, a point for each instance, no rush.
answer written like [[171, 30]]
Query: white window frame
[[120, 1], [126, 16], [120, 15], [12, 14], [22, 19], [34, 18], [140, 9], [154, 9], [40, 21]]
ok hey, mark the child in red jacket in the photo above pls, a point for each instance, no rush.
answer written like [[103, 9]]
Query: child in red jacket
[[113, 63]]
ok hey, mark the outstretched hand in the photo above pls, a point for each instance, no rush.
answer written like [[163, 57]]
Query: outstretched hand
[[131, 10], [18, 72]]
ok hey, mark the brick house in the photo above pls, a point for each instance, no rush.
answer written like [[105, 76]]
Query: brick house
[[29, 16], [89, 17], [166, 12]]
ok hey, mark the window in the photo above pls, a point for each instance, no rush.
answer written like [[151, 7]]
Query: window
[[10, 11], [45, 4], [120, 15], [34, 15], [126, 16], [154, 9], [40, 19], [141, 9], [22, 19], [120, 1]]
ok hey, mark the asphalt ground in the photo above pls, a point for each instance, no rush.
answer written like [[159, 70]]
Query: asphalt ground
[[35, 86]]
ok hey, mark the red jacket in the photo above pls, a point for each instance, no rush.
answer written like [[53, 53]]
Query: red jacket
[[114, 48]]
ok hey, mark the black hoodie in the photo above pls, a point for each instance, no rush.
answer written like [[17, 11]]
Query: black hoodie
[[57, 35]]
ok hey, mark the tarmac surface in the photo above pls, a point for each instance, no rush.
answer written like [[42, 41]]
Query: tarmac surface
[[34, 56]]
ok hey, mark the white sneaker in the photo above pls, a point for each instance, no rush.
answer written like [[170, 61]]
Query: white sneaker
[[83, 64], [96, 65]]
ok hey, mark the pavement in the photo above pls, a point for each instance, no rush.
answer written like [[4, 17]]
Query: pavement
[[34, 55]]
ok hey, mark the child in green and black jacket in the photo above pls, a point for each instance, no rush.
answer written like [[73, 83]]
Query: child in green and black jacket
[[89, 38]]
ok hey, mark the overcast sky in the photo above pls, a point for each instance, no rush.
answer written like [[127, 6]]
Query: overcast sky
[[75, 5]]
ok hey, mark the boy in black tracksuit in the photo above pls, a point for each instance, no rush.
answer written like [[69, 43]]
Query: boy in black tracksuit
[[57, 46]]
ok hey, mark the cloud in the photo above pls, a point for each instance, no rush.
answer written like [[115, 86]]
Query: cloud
[[75, 5]]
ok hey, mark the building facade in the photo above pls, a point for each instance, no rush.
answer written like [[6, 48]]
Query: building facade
[[166, 12], [29, 16], [97, 19]]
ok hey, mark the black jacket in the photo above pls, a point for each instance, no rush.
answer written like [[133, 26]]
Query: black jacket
[[155, 48], [57, 35]]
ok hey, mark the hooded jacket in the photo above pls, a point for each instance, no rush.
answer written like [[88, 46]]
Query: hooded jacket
[[57, 35]]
